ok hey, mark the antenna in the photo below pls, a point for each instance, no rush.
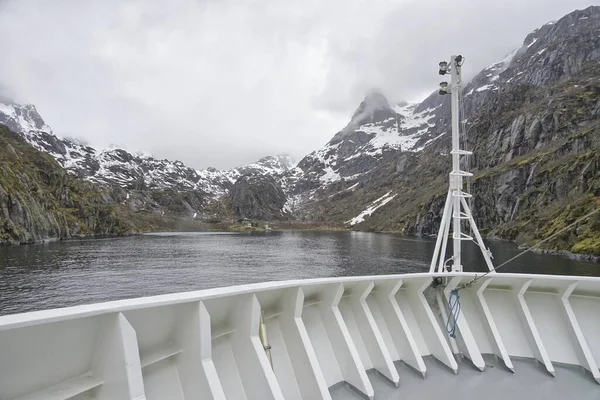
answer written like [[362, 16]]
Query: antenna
[[456, 208]]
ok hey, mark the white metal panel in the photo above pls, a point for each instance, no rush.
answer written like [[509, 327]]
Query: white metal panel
[[428, 323], [307, 371], [155, 331], [587, 312], [554, 329], [347, 312], [470, 307], [534, 336], [38, 357], [510, 328], [227, 369], [370, 334], [402, 298], [586, 357], [375, 306], [161, 381], [498, 346], [394, 325], [311, 316], [282, 363], [117, 360], [466, 314], [197, 371], [344, 349], [77, 387], [257, 376]]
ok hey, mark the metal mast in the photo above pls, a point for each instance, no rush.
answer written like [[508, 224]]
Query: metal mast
[[456, 208]]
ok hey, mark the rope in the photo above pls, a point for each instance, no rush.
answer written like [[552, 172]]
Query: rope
[[529, 249], [454, 308]]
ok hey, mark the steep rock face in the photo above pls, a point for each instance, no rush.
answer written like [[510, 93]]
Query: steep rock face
[[21, 117], [377, 131], [258, 197], [530, 119], [39, 200], [538, 168]]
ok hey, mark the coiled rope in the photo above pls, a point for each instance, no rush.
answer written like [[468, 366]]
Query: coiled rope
[[454, 308]]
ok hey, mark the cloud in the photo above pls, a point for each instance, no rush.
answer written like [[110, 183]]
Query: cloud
[[224, 82]]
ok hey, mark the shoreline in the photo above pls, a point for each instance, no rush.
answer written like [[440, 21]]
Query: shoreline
[[567, 254], [591, 258]]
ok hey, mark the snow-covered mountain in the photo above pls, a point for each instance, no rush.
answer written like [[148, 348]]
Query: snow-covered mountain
[[132, 171], [390, 159], [392, 151], [375, 128], [377, 131], [379, 128], [22, 118]]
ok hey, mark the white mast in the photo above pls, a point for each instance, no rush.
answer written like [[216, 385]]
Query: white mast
[[456, 208]]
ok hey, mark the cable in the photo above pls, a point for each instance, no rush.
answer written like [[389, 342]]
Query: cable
[[454, 308], [529, 249]]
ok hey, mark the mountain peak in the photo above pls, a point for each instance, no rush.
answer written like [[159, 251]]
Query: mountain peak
[[22, 118], [376, 99], [371, 108], [373, 102]]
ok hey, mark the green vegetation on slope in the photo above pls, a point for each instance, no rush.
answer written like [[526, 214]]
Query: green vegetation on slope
[[39, 200], [536, 165]]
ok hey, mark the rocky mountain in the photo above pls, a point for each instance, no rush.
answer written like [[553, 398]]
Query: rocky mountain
[[531, 120], [40, 200], [131, 171], [258, 197]]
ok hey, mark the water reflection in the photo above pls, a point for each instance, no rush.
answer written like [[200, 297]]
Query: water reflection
[[85, 271]]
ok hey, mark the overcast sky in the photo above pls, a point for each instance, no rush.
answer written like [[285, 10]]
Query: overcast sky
[[224, 82]]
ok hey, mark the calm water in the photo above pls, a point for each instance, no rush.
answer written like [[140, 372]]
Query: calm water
[[87, 271]]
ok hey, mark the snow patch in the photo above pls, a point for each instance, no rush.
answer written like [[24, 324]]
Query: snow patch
[[411, 119], [329, 176], [345, 190], [485, 87], [532, 42], [380, 202], [427, 143]]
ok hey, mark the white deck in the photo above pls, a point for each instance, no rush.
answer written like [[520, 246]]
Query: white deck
[[532, 382], [323, 332]]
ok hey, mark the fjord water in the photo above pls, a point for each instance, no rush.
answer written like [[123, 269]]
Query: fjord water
[[59, 274]]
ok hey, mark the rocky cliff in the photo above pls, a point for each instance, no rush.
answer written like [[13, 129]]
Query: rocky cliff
[[258, 197], [39, 200], [531, 120]]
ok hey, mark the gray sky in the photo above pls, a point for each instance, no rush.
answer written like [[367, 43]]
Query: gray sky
[[224, 82]]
